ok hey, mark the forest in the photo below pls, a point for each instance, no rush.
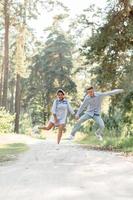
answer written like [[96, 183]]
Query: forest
[[95, 48]]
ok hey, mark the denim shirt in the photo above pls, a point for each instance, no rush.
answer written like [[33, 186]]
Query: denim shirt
[[61, 108], [93, 104]]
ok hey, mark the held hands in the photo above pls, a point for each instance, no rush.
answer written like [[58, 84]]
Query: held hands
[[76, 117]]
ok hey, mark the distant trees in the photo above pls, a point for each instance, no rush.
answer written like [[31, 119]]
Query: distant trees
[[16, 50], [51, 69], [31, 71]]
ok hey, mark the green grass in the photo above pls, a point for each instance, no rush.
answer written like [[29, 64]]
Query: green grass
[[9, 151], [109, 143]]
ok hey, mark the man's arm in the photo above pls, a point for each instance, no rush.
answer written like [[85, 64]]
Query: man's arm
[[116, 91], [82, 107]]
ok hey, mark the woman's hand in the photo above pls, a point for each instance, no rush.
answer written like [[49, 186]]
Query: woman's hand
[[56, 121]]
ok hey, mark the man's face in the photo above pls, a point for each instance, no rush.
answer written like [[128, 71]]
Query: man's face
[[90, 92]]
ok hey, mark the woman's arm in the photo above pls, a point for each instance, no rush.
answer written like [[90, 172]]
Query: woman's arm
[[70, 109], [55, 119], [54, 110]]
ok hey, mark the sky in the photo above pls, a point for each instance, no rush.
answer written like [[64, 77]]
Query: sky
[[76, 7]]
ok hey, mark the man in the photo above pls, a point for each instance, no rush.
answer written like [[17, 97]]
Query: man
[[92, 103]]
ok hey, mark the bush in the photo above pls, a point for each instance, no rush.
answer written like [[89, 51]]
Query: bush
[[25, 124], [125, 142], [6, 121]]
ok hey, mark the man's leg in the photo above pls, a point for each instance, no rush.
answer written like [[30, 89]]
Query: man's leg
[[77, 126], [101, 125]]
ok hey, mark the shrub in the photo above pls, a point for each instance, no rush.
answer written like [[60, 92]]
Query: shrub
[[125, 142], [25, 124], [6, 121]]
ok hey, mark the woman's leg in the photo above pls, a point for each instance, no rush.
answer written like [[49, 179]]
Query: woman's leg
[[50, 125], [60, 131]]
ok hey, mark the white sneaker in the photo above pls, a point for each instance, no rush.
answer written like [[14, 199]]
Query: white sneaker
[[99, 137], [71, 137]]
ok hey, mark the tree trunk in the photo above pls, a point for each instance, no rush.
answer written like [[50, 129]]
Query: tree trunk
[[12, 97], [17, 104], [6, 54], [1, 84]]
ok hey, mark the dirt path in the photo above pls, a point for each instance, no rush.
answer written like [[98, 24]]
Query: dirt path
[[70, 172]]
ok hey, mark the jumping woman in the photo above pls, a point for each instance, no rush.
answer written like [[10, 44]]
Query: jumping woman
[[60, 109]]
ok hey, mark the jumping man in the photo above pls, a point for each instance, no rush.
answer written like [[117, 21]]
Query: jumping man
[[92, 103]]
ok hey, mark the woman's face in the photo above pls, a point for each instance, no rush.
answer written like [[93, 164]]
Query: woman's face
[[60, 95]]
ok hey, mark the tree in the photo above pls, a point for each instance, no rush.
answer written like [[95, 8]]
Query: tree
[[108, 51], [6, 52], [19, 48], [22, 11], [51, 69], [110, 45], [21, 71]]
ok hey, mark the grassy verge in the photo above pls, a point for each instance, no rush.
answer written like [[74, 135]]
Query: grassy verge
[[109, 143], [10, 151]]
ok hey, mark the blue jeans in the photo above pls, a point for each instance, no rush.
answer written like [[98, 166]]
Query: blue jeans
[[85, 117]]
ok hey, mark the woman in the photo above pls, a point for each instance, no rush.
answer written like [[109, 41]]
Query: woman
[[60, 109]]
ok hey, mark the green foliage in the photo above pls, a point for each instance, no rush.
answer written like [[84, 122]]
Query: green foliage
[[51, 69], [109, 143], [25, 124], [109, 49], [108, 58], [127, 114], [125, 142], [6, 121], [121, 144]]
